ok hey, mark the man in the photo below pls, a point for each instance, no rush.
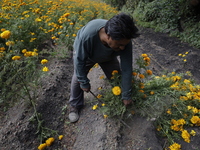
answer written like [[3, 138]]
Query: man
[[101, 41]]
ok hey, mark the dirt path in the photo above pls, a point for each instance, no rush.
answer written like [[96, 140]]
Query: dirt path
[[92, 131]]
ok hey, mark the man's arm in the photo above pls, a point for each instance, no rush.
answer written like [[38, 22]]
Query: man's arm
[[126, 66]]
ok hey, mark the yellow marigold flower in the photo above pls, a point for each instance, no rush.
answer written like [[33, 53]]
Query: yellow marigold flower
[[142, 91], [66, 14], [71, 23], [53, 37], [38, 20], [152, 93], [24, 51], [114, 72], [34, 54], [149, 72], [105, 116], [141, 76], [74, 35], [100, 88], [195, 119], [49, 141], [169, 111], [60, 137], [175, 146], [5, 34], [192, 132], [99, 96], [44, 61], [95, 107], [103, 104], [186, 81], [101, 77], [186, 136], [10, 43], [116, 90], [42, 146], [144, 55], [173, 73], [16, 57], [45, 69]]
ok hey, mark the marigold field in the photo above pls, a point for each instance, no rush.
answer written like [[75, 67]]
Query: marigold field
[[26, 25]]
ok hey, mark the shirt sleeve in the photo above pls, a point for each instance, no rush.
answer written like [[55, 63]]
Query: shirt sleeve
[[80, 56], [126, 67]]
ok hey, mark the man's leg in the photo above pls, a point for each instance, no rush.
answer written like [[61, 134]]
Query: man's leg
[[77, 95], [109, 66]]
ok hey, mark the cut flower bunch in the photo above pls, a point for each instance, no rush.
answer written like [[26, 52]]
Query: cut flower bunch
[[172, 100]]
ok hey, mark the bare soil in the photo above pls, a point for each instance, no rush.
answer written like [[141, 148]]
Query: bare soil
[[92, 131]]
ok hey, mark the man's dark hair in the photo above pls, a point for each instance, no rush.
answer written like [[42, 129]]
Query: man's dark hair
[[121, 26]]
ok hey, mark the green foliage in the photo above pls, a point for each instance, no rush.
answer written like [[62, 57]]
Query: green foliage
[[174, 17]]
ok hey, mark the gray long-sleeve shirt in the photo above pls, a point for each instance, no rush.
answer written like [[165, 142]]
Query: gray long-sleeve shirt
[[88, 45]]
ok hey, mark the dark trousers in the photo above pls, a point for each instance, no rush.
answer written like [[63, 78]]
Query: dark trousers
[[77, 94]]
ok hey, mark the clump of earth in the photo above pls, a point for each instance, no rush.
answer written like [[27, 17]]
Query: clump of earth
[[92, 131]]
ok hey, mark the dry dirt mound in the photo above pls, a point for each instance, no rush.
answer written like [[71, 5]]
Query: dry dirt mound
[[92, 131]]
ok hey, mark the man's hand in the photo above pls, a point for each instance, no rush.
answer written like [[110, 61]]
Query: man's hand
[[127, 102], [86, 89]]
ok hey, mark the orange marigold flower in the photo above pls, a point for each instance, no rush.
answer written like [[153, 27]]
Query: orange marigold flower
[[141, 76], [149, 72]]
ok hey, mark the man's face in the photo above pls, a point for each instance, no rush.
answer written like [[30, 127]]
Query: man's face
[[117, 45]]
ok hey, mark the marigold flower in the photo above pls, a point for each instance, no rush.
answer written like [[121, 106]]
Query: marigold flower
[[24, 51], [60, 137], [16, 57], [103, 104], [195, 119], [99, 96], [192, 132], [186, 136], [10, 43], [141, 76], [144, 55], [152, 93], [95, 107], [142, 91], [114, 72], [49, 141], [66, 14], [2, 49], [44, 61], [74, 35], [149, 72], [116, 90], [134, 73], [42, 146], [45, 69], [101, 77], [175, 146], [71, 23], [100, 88], [169, 111], [105, 116], [5, 34]]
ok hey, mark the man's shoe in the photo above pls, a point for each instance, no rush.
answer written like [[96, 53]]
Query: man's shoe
[[73, 114]]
